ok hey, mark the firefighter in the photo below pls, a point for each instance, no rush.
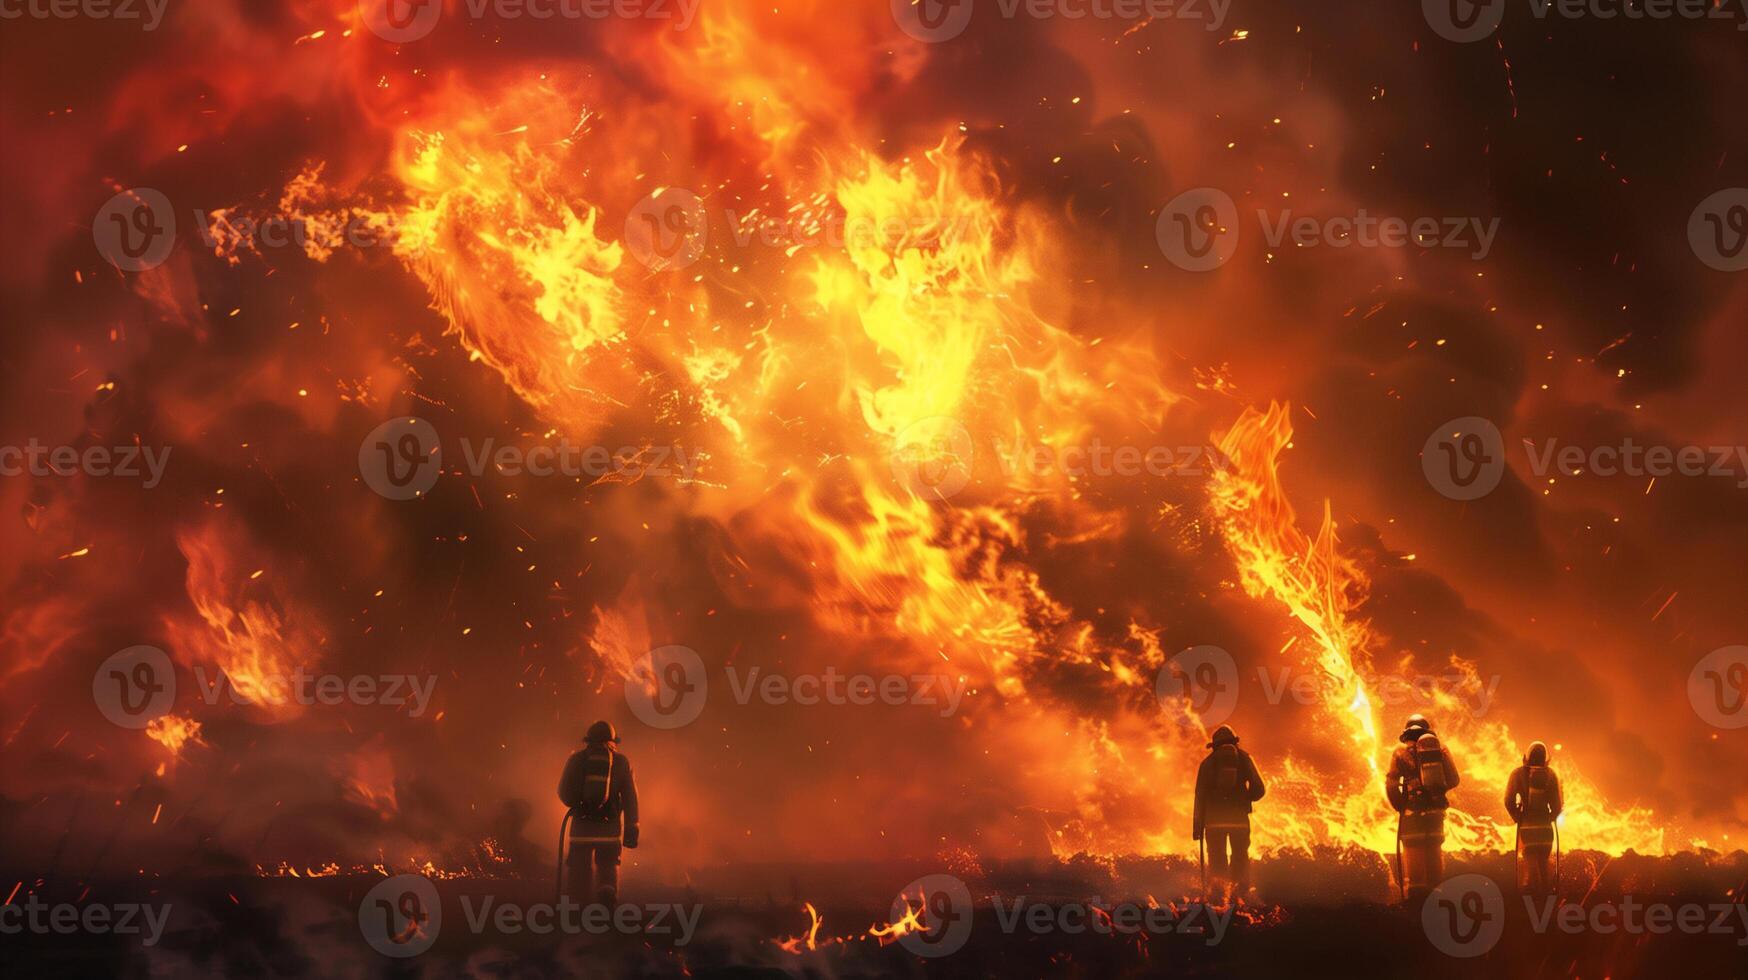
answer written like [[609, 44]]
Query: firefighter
[[1421, 774], [598, 787], [1226, 785], [1533, 798]]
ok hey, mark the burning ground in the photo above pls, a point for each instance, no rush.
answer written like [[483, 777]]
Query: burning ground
[[917, 258]]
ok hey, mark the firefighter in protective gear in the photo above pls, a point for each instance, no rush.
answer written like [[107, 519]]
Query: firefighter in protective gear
[[1226, 785], [1421, 774], [1533, 798], [598, 787]]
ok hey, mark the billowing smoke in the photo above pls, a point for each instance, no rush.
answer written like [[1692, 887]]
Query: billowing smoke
[[925, 417]]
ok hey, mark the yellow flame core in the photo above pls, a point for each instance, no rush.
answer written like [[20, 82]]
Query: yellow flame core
[[173, 732], [848, 363], [244, 630]]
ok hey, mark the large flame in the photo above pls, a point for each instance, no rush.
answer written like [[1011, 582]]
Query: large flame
[[877, 332], [1321, 589]]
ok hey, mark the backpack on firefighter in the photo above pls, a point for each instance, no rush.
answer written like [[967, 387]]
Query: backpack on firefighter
[[1420, 824], [597, 777], [1428, 783], [1226, 774], [596, 820], [1537, 824], [591, 818], [1536, 827]]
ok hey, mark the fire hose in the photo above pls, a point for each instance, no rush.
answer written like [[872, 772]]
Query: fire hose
[[1556, 858], [1401, 880], [1202, 859], [1517, 854], [563, 836]]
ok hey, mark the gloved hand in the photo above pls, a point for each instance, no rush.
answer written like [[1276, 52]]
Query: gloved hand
[[1197, 834], [631, 838]]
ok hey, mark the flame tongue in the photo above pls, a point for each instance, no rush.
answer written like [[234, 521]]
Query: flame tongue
[[1320, 588]]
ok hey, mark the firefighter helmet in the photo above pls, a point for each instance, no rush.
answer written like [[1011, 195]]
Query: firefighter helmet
[[1415, 727], [1537, 755], [601, 731], [1224, 735]]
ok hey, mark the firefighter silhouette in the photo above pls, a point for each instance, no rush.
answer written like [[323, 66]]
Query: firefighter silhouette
[[1421, 774], [1226, 785], [598, 787], [1534, 800]]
